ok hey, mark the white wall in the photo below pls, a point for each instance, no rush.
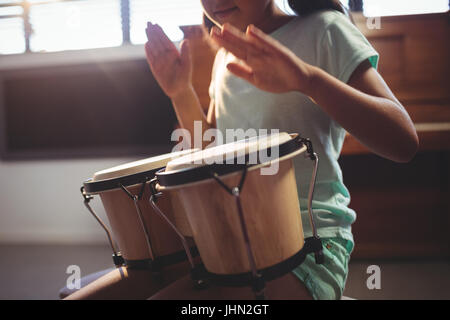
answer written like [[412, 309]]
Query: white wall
[[40, 201]]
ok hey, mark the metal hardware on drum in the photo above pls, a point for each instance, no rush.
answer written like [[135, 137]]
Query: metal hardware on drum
[[319, 257], [258, 284], [311, 245], [249, 272], [117, 257], [199, 282], [258, 281], [155, 264], [153, 199], [145, 241], [135, 199]]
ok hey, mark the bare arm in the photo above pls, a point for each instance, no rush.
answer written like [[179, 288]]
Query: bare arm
[[368, 110], [173, 72], [365, 107], [188, 110]]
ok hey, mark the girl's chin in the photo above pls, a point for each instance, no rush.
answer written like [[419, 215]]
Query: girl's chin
[[232, 19], [234, 22], [226, 14]]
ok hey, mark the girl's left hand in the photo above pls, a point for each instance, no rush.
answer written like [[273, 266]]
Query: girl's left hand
[[264, 62]]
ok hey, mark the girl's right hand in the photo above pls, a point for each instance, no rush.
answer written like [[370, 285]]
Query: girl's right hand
[[172, 69]]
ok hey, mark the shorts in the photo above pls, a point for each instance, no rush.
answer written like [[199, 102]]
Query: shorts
[[327, 281]]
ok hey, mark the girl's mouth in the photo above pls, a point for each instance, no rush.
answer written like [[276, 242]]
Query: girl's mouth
[[221, 14]]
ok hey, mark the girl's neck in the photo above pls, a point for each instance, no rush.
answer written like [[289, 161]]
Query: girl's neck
[[273, 19]]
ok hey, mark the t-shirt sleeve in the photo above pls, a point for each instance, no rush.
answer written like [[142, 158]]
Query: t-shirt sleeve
[[342, 48]]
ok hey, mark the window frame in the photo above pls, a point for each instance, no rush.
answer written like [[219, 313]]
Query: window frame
[[125, 16], [28, 28]]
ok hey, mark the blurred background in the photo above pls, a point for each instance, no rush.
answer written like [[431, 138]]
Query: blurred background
[[77, 96]]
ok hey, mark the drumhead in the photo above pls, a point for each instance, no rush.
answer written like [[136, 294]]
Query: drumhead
[[229, 158], [130, 173]]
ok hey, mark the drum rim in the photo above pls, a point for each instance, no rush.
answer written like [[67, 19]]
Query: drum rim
[[93, 187], [186, 176]]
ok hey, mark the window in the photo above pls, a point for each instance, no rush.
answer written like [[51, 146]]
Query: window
[[12, 38], [168, 14], [55, 25], [73, 25], [377, 8]]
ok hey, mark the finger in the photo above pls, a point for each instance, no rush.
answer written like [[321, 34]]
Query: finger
[[149, 54], [164, 40], [241, 71], [185, 53], [237, 51], [153, 40], [261, 39], [233, 35], [237, 38]]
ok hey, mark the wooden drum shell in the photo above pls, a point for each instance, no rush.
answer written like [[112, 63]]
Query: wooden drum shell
[[127, 228], [271, 212], [180, 219]]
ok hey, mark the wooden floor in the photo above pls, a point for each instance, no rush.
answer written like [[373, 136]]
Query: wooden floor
[[38, 272]]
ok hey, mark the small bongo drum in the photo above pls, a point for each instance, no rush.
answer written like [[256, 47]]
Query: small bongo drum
[[146, 239], [242, 204]]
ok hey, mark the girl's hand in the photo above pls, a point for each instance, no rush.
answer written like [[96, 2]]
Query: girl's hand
[[264, 62], [172, 69]]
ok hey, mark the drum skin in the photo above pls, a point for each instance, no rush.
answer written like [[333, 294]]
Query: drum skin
[[127, 228], [122, 213], [271, 212]]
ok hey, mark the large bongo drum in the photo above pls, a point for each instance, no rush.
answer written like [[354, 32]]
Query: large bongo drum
[[242, 204], [146, 240]]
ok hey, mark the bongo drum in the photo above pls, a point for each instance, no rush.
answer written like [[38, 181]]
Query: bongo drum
[[145, 239], [243, 208]]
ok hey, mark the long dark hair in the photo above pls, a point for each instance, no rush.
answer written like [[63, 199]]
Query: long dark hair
[[305, 7], [302, 8]]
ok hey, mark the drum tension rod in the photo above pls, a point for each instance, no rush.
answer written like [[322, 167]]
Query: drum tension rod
[[309, 148], [228, 189], [117, 257], [132, 196], [196, 275], [155, 267], [258, 282], [318, 254]]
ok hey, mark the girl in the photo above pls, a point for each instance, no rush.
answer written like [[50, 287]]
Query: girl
[[315, 74]]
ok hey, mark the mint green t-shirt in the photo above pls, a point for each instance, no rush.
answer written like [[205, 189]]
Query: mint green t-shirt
[[328, 40]]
